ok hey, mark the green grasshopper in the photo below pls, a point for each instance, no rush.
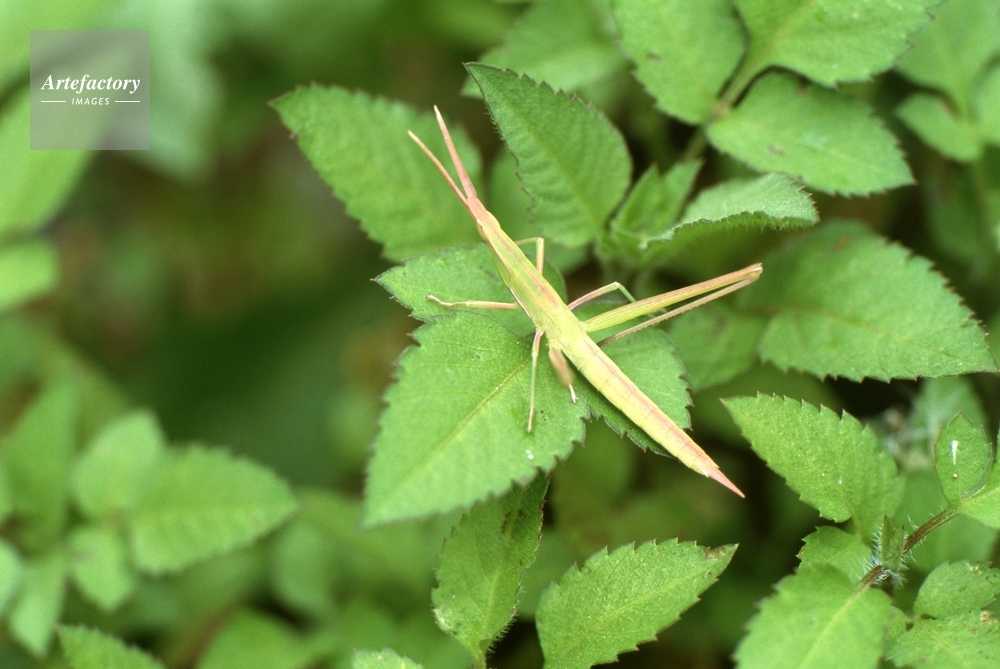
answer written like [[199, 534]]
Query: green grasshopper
[[569, 337]]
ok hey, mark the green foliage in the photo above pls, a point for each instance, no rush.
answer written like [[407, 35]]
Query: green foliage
[[735, 336], [383, 659], [962, 459], [90, 649], [829, 545], [966, 640], [956, 588], [27, 271], [253, 641]]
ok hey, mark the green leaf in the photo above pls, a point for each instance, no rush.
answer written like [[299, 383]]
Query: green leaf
[[91, 649], [572, 161], [38, 463], [114, 471], [829, 41], [359, 146], [821, 137], [301, 569], [817, 619], [256, 641], [950, 53], [35, 183], [846, 302], [100, 566], [987, 107], [837, 548], [971, 640], [455, 429], [619, 600], [39, 602], [11, 571], [560, 42], [962, 458], [382, 659], [482, 563], [733, 336], [984, 505], [835, 463], [27, 270], [936, 405], [204, 502], [956, 588], [934, 122], [683, 51]]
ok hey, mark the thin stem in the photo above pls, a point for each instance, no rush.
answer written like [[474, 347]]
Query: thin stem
[[878, 572]]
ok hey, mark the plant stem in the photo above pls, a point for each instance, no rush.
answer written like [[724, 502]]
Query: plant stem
[[878, 572]]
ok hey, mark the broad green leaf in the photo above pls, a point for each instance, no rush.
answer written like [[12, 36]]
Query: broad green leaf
[[257, 641], [835, 547], [818, 618], [91, 649], [962, 458], [202, 502], [38, 463], [11, 570], [618, 600], [683, 51], [99, 564], [984, 505], [835, 463], [950, 53], [482, 563], [560, 42], [359, 146], [969, 641], [302, 573], [382, 659], [114, 471], [821, 137], [934, 122], [716, 343], [956, 588], [39, 602], [829, 41], [845, 302], [987, 107], [572, 161], [455, 429], [27, 270], [936, 405], [35, 183], [554, 558]]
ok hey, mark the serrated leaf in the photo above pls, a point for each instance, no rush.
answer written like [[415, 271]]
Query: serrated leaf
[[837, 548], [11, 569], [846, 302], [560, 42], [27, 271], [257, 641], [683, 51], [934, 122], [835, 463], [935, 406], [970, 641], [952, 589], [949, 54], [962, 458], [820, 137], [39, 602], [830, 41], [618, 600], [986, 107], [382, 659], [38, 463], [91, 649], [716, 343], [113, 473], [455, 428], [204, 502], [482, 563], [572, 161], [359, 146], [99, 565], [817, 619]]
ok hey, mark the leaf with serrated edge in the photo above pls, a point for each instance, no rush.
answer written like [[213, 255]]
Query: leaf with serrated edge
[[455, 428], [618, 600], [203, 502], [830, 41], [817, 618], [572, 161], [27, 270], [482, 563], [962, 458], [683, 51], [382, 659], [733, 338], [846, 302], [956, 588], [100, 566], [359, 146], [835, 463], [931, 119], [91, 649], [821, 137], [39, 602], [835, 547], [970, 640]]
